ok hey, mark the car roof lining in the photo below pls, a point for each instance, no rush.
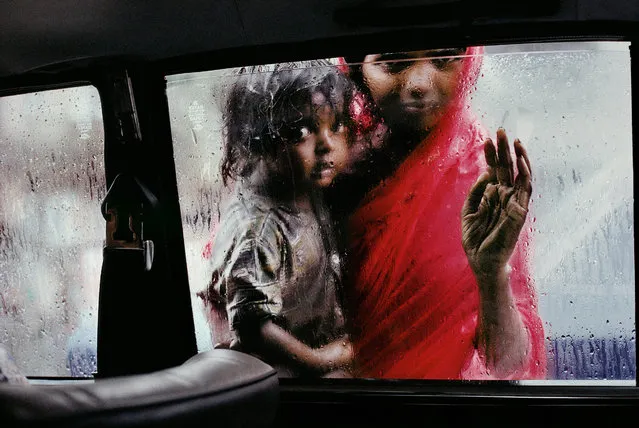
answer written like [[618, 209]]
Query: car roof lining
[[37, 34]]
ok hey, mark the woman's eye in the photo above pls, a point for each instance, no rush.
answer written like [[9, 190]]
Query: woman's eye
[[393, 62], [394, 67], [445, 61]]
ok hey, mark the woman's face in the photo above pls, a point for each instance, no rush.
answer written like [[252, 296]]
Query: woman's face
[[412, 90]]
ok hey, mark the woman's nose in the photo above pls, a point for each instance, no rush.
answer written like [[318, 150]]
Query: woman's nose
[[418, 79]]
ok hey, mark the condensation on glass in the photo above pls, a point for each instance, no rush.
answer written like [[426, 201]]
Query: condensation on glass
[[51, 230], [573, 107], [569, 104]]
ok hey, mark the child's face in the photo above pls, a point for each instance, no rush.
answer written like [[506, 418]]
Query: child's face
[[317, 145], [413, 89]]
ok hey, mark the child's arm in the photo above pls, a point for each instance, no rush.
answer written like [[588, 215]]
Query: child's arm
[[253, 282], [276, 344]]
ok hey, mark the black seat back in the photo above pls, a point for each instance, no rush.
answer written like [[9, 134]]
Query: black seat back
[[219, 388]]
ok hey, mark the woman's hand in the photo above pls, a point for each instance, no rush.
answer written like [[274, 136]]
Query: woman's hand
[[496, 208]]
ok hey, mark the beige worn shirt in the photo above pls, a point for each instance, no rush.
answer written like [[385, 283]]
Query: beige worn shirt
[[274, 261]]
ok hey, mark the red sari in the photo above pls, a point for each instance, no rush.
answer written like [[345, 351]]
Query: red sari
[[416, 301]]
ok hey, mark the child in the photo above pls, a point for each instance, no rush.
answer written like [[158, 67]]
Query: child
[[275, 262]]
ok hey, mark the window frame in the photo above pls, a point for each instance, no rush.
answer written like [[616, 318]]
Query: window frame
[[317, 396]]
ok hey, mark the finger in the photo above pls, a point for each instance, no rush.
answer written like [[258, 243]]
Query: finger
[[523, 182], [520, 150], [505, 235], [505, 171], [523, 186], [491, 204], [478, 224], [223, 345], [516, 217], [490, 153], [476, 193], [505, 231]]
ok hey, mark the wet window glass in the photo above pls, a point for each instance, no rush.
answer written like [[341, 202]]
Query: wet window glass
[[462, 213], [51, 230]]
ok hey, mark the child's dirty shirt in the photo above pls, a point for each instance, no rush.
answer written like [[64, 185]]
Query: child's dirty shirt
[[274, 261]]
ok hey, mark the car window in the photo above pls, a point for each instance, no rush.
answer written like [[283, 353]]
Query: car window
[[393, 144], [51, 230]]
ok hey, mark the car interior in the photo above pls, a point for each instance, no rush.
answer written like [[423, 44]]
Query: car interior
[[115, 118]]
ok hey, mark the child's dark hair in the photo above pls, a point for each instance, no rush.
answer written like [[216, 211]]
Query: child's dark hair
[[265, 101]]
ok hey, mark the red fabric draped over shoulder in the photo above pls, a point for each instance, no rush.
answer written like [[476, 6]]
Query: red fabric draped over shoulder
[[414, 300]]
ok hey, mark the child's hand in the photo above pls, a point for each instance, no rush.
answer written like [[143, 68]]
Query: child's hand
[[337, 354], [278, 345]]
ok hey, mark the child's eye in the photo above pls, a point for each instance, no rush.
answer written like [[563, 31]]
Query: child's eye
[[304, 132], [338, 127], [295, 134]]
